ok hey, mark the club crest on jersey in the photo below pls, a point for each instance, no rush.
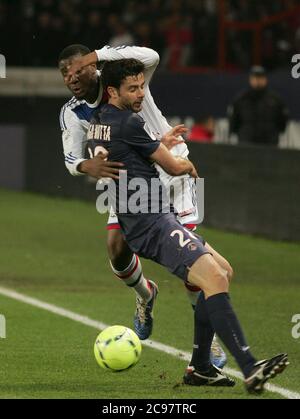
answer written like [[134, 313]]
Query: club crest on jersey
[[99, 132]]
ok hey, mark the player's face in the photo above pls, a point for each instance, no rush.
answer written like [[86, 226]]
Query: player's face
[[81, 83], [131, 93]]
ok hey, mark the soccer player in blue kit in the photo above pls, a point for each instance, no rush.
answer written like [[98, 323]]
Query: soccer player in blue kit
[[120, 133]]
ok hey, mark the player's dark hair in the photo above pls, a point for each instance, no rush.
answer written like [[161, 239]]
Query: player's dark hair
[[114, 72], [71, 50]]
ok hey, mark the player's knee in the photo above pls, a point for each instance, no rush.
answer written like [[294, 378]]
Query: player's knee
[[228, 268], [219, 280], [230, 273]]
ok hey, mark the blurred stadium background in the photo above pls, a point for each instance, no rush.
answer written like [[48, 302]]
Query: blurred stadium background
[[207, 48]]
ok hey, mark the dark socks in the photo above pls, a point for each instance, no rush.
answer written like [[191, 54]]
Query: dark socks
[[203, 336], [226, 325]]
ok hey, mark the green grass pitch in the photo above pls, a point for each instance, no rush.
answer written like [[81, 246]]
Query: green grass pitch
[[54, 250]]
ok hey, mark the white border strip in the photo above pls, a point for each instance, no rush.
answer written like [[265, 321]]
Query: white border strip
[[186, 356]]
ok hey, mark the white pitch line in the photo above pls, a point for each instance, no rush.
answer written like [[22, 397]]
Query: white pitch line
[[185, 356]]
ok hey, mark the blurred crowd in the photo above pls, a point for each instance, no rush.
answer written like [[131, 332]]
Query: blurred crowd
[[184, 32]]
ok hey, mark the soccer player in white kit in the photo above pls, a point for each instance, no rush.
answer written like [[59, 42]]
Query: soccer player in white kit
[[78, 67]]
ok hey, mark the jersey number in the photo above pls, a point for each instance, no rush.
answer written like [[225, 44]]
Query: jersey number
[[180, 235]]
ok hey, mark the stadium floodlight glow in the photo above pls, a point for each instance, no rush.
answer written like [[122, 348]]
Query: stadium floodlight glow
[[2, 327], [2, 67], [144, 198]]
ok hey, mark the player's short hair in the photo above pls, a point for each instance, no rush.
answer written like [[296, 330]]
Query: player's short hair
[[71, 50], [114, 72]]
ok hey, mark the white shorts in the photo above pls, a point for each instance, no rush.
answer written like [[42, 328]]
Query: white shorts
[[183, 199]]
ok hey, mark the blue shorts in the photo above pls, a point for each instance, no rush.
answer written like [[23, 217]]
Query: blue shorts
[[170, 244]]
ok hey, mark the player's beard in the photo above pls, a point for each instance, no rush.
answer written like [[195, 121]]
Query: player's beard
[[136, 106]]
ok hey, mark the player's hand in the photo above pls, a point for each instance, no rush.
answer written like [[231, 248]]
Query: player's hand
[[79, 63], [170, 139], [76, 67], [99, 167], [194, 172]]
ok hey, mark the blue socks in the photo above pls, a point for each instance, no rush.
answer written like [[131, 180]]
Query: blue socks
[[226, 325], [203, 336]]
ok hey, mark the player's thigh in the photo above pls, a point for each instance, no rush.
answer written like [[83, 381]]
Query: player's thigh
[[207, 274], [221, 261]]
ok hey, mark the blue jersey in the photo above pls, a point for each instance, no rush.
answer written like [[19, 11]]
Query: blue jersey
[[156, 236], [122, 134]]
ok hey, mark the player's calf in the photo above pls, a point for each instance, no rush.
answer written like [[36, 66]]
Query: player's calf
[[219, 316], [118, 250], [127, 266]]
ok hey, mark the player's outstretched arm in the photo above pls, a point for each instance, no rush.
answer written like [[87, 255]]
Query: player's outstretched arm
[[174, 166], [147, 56]]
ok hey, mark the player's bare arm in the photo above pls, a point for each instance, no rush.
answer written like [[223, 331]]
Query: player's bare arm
[[98, 167], [174, 166]]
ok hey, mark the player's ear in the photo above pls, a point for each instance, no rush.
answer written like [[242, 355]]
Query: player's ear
[[112, 92]]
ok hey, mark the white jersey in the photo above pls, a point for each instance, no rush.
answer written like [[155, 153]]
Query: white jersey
[[75, 114]]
